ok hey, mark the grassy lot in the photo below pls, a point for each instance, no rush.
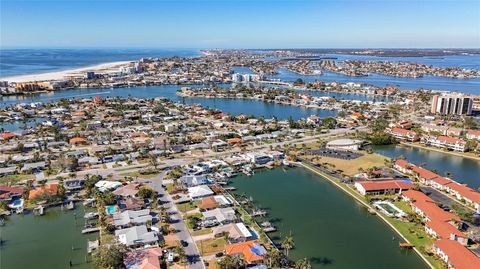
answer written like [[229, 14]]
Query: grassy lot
[[15, 178], [211, 246], [138, 174], [202, 232], [350, 167], [187, 206]]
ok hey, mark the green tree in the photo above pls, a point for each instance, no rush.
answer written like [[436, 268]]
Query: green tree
[[303, 264], [109, 256], [287, 244]]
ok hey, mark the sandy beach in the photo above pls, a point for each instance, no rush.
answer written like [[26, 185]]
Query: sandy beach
[[59, 75]]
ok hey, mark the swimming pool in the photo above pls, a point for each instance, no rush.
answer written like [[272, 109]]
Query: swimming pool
[[111, 209], [16, 203]]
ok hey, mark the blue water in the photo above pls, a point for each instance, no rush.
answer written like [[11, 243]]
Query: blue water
[[471, 86], [30, 61], [233, 106]]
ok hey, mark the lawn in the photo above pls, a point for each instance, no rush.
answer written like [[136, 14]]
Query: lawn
[[350, 167], [187, 206], [169, 187], [211, 246], [201, 232], [15, 178]]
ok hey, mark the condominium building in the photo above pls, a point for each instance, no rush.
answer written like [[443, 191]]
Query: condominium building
[[449, 104]]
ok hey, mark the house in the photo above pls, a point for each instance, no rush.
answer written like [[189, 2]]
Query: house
[[259, 158], [382, 187], [144, 258], [10, 193], [129, 190], [199, 192], [136, 236], [74, 184], [10, 170], [33, 167], [473, 134], [130, 217], [214, 202], [403, 134], [252, 251], [193, 180], [218, 216], [104, 185], [455, 255], [49, 189], [237, 232], [131, 203]]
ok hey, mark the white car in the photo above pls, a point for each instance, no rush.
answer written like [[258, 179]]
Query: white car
[[170, 256]]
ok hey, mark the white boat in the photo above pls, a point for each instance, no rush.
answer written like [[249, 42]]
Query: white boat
[[71, 205]]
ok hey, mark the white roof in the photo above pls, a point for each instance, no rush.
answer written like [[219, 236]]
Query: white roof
[[104, 185], [199, 191]]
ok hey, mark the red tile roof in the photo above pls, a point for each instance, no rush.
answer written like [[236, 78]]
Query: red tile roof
[[458, 256], [385, 185], [433, 212], [417, 196], [444, 229], [245, 249], [452, 140]]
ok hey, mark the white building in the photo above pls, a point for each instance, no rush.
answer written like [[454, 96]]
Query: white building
[[447, 104]]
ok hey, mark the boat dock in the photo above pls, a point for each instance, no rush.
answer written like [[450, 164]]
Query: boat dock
[[90, 230], [92, 245]]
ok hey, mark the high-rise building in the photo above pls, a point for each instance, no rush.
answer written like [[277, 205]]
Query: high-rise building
[[449, 104]]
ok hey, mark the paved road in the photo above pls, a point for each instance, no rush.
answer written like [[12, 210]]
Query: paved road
[[193, 255], [440, 197]]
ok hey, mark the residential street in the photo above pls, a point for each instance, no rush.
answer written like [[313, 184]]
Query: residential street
[[193, 255]]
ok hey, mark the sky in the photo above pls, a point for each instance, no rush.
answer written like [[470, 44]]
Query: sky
[[240, 24]]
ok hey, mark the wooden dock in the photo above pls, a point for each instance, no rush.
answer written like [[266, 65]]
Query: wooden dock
[[406, 245]]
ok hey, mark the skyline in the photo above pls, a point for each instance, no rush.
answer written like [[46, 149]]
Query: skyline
[[270, 24]]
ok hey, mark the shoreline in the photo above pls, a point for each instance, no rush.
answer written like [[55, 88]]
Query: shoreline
[[440, 151], [327, 177], [59, 75]]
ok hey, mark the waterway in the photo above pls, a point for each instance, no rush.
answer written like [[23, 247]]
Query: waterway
[[470, 86], [329, 227], [463, 170], [45, 242]]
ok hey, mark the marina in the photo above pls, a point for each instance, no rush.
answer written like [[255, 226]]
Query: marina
[[33, 235]]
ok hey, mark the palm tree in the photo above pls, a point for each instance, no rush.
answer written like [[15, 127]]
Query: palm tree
[[273, 258], [287, 244], [303, 264]]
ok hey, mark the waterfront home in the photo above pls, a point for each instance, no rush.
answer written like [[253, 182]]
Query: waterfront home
[[382, 187], [252, 251], [10, 193], [130, 218], [148, 258], [136, 236], [199, 192], [447, 142], [403, 134], [131, 203], [218, 216], [212, 202], [455, 255], [74, 184], [193, 180], [259, 158], [237, 232], [48, 189]]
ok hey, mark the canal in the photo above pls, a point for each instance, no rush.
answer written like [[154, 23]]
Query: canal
[[329, 228], [49, 241], [463, 170]]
